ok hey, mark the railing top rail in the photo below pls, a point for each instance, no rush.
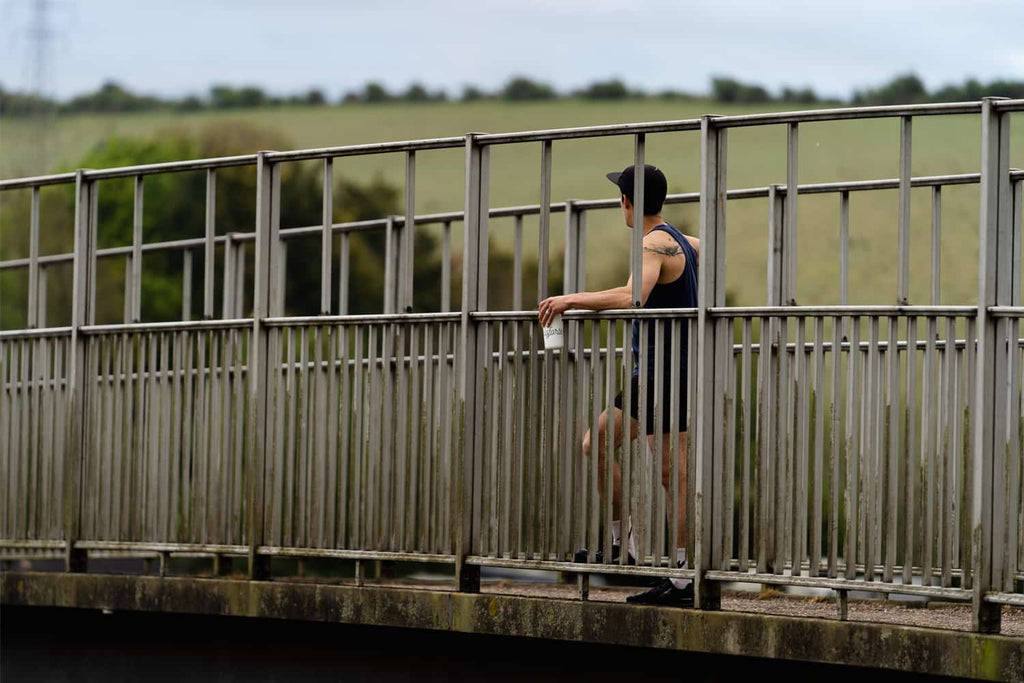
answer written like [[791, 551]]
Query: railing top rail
[[805, 116], [35, 333], [842, 311], [371, 148], [380, 318], [174, 326]]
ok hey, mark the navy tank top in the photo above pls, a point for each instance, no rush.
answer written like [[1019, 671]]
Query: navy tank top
[[680, 293]]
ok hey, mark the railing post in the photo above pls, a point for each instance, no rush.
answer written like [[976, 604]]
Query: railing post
[[266, 301], [995, 262], [82, 313], [471, 376], [711, 371]]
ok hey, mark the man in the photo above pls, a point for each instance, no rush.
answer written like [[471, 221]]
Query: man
[[670, 262]]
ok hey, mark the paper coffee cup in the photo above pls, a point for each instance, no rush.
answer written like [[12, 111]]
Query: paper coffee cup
[[554, 335]]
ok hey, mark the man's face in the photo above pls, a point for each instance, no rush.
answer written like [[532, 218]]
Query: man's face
[[627, 210]]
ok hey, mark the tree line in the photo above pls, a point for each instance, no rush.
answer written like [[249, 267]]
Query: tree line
[[113, 97]]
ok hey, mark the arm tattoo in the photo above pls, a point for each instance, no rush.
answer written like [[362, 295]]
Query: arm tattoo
[[664, 251]]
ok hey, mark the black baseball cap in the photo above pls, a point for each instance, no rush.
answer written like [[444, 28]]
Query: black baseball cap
[[655, 186]]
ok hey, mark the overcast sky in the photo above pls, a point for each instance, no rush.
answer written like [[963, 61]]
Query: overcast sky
[[174, 47]]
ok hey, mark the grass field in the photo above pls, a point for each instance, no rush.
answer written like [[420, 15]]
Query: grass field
[[849, 150]]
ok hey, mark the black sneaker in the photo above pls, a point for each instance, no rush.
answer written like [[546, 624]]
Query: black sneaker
[[581, 556], [665, 594]]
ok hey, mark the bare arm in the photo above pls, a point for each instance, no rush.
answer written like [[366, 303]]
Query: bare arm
[[616, 297]]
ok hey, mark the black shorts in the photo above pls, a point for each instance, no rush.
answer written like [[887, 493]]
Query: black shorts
[[666, 403]]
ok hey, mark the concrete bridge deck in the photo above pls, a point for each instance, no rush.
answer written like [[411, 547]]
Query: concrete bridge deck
[[934, 639]]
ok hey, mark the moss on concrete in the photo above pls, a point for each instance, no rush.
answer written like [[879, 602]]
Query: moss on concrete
[[887, 646]]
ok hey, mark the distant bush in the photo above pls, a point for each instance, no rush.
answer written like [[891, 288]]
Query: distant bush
[[471, 93], [904, 89], [523, 89], [730, 90], [803, 96], [24, 104], [605, 90], [111, 97]]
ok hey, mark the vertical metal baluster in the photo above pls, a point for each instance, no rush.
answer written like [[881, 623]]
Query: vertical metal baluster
[[747, 443], [508, 379], [106, 427], [519, 548], [318, 473], [153, 410], [415, 458], [186, 285], [429, 429], [799, 460], [178, 437], [41, 298], [656, 516], [903, 255], [228, 287], [818, 494], [409, 232], [891, 513], [208, 244], [7, 484], [303, 455], [766, 389], [447, 460], [357, 416], [953, 416], [277, 400], [929, 445], [729, 491], [1012, 483], [611, 368], [627, 458], [844, 248], [581, 500], [517, 264], [870, 454], [544, 220], [677, 460], [343, 272], [446, 267], [326, 235], [197, 516], [288, 454], [530, 511], [853, 421], [390, 460], [592, 540], [46, 452], [342, 537], [783, 494], [137, 251], [189, 438], [491, 476], [910, 516], [836, 459], [33, 305]]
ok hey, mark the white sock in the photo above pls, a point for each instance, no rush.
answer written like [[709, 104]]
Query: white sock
[[617, 536], [681, 562]]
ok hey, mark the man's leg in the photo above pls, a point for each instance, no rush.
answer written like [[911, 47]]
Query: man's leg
[[675, 592], [666, 481], [614, 414]]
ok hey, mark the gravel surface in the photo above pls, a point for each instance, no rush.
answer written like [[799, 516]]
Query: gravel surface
[[944, 615]]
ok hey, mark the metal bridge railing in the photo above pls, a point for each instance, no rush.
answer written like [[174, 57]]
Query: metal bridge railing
[[844, 447]]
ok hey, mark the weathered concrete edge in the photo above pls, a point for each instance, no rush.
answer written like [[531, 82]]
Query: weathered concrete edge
[[901, 648]]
